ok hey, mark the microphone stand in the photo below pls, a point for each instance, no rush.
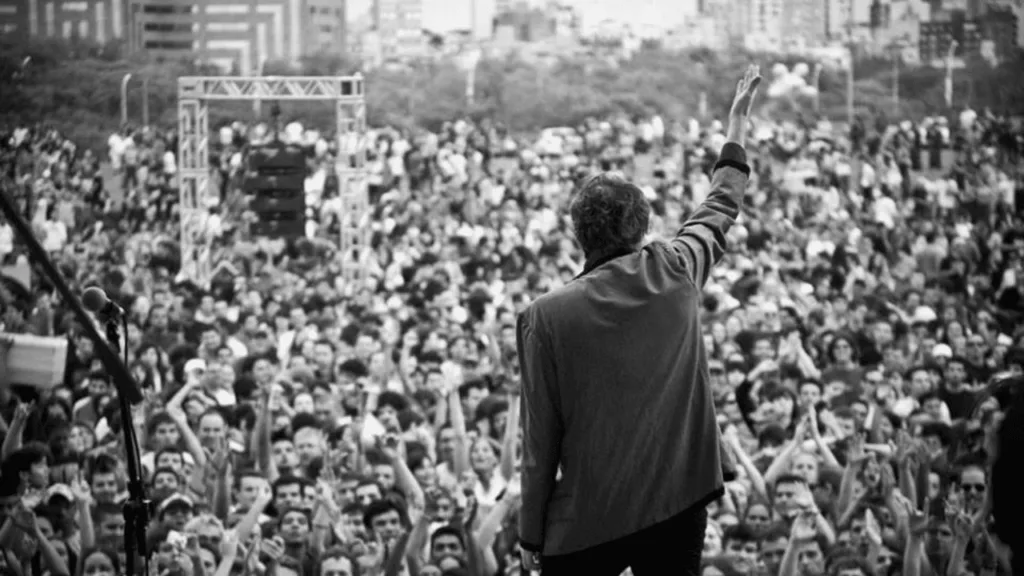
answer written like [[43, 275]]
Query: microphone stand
[[136, 508]]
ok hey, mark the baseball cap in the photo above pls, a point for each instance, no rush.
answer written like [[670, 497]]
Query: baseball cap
[[195, 364], [176, 501]]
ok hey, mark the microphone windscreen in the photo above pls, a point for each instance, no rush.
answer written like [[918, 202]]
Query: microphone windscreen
[[94, 299]]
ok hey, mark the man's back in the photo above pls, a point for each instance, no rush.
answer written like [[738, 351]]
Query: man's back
[[633, 398], [615, 383]]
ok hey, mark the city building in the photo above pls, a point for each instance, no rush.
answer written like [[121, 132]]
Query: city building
[[988, 31], [567, 20], [238, 35], [1015, 7], [937, 35], [730, 20], [701, 31], [802, 23], [99, 21], [1001, 27], [901, 30], [766, 23], [398, 25], [523, 24], [647, 18], [326, 27], [481, 19]]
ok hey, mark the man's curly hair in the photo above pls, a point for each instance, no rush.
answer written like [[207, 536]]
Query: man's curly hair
[[609, 214]]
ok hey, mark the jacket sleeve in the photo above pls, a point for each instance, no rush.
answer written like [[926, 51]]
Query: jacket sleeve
[[701, 242], [542, 432]]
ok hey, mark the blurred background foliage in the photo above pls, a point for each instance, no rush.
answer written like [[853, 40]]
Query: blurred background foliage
[[76, 88]]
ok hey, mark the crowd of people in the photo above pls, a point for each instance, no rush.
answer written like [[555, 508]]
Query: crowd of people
[[294, 423]]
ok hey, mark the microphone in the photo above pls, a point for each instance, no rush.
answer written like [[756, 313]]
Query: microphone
[[95, 300]]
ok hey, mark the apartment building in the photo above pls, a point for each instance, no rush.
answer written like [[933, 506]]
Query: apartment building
[[239, 35], [96, 20]]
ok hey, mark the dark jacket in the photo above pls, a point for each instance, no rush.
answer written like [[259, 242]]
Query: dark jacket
[[615, 386]]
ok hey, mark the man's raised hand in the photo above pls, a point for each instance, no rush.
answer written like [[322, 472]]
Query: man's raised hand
[[746, 90]]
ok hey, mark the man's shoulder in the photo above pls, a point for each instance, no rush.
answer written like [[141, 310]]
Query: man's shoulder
[[654, 253], [548, 302], [552, 303]]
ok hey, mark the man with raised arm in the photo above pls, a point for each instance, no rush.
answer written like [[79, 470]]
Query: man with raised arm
[[615, 383]]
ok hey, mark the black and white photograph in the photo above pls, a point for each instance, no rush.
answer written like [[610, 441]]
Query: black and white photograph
[[511, 287]]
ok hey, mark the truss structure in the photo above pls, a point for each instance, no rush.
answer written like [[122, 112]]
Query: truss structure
[[194, 95]]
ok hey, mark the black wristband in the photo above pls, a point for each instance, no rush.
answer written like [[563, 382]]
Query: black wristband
[[734, 156]]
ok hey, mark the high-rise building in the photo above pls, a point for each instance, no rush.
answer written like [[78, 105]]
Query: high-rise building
[[937, 35], [481, 17], [399, 25], [838, 18], [724, 21], [902, 30], [1000, 25], [326, 29], [99, 21], [766, 22], [239, 35], [803, 21]]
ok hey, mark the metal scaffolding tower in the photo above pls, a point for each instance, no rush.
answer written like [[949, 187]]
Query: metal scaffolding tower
[[194, 95]]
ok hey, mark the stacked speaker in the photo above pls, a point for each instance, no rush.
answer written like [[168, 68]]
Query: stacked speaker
[[275, 179]]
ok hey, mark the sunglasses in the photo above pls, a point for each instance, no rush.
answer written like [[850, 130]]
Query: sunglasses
[[978, 488]]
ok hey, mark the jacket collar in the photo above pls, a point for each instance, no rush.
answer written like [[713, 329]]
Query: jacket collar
[[595, 261]]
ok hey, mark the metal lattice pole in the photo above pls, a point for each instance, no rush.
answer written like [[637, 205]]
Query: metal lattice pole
[[193, 184], [353, 191]]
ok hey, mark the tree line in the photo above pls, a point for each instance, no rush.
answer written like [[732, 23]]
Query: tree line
[[76, 89]]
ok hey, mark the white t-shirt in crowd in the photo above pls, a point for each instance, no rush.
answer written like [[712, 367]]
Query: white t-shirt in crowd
[[170, 164], [56, 235], [6, 240], [886, 212], [117, 146]]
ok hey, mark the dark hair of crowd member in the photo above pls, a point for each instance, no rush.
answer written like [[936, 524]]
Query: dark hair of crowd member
[[379, 507], [609, 215], [339, 552], [21, 462], [115, 559]]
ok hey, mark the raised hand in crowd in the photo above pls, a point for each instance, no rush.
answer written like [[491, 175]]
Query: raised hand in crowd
[[218, 456], [804, 528], [81, 491], [855, 452], [739, 113]]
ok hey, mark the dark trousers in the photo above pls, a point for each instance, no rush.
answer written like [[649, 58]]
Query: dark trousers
[[669, 548]]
